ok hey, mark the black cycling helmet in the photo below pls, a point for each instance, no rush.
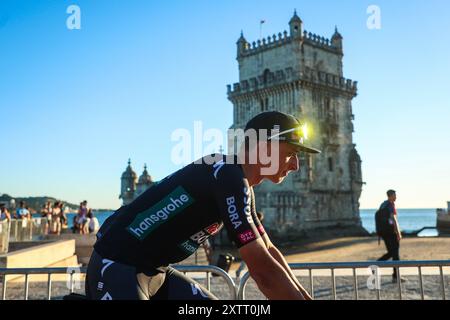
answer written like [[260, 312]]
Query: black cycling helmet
[[282, 127]]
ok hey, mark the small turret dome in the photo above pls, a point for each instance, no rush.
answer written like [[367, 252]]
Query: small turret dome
[[296, 26], [336, 35], [242, 38], [129, 173], [295, 18], [145, 178]]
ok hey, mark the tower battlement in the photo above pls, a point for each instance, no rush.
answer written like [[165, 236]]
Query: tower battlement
[[284, 38], [289, 75]]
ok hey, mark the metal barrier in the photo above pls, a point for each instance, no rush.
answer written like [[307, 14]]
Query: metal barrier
[[211, 269], [240, 294], [71, 272], [359, 265], [33, 271], [4, 236]]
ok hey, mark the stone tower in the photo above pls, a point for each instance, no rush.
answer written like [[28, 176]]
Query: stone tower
[[145, 182], [301, 73], [128, 185]]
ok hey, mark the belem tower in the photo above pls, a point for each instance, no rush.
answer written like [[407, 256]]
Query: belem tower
[[301, 73]]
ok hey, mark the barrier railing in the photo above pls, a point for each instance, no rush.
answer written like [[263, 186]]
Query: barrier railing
[[4, 236], [76, 272], [27, 230], [208, 270], [360, 265], [240, 293]]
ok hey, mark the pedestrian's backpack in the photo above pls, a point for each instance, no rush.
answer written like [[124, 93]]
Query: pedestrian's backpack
[[382, 225]]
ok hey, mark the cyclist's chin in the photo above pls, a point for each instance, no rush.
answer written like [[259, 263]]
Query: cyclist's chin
[[278, 178]]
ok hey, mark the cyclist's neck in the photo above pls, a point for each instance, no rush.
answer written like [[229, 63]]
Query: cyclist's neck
[[252, 174]]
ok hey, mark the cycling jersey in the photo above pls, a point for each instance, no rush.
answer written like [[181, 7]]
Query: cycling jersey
[[170, 220], [110, 280]]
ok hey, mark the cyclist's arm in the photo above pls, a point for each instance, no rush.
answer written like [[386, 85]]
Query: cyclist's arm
[[274, 252], [234, 199], [270, 276], [277, 255]]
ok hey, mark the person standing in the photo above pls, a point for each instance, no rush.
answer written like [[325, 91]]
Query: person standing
[[4, 213], [80, 219], [22, 212], [389, 230], [56, 219], [92, 225], [63, 216], [46, 213]]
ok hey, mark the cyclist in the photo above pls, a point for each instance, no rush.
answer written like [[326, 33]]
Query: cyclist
[[168, 222]]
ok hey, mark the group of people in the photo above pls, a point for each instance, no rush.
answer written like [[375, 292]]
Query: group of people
[[85, 222], [56, 217], [22, 212]]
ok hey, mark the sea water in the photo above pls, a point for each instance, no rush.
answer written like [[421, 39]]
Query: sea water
[[409, 219]]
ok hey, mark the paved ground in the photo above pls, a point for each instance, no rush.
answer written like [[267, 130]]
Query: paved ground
[[334, 250], [322, 289]]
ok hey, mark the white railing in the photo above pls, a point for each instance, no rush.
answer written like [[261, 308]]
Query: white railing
[[27, 230], [374, 266], [238, 292], [21, 230], [75, 273], [4, 236]]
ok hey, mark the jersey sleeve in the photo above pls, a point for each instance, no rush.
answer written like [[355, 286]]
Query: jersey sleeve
[[256, 220], [233, 196]]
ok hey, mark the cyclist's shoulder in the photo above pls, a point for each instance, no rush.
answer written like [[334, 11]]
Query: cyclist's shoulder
[[214, 169], [226, 168]]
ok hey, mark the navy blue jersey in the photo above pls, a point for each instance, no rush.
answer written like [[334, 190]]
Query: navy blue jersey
[[170, 220]]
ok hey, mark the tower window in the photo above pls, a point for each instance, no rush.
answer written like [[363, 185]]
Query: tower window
[[327, 107], [264, 104], [266, 76], [330, 164]]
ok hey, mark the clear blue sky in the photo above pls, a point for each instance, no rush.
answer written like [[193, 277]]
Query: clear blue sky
[[76, 104]]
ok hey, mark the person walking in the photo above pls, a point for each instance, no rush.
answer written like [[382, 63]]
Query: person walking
[[388, 229]]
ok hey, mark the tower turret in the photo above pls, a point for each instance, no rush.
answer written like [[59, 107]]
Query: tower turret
[[336, 39], [145, 182], [128, 184], [296, 26], [241, 45]]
